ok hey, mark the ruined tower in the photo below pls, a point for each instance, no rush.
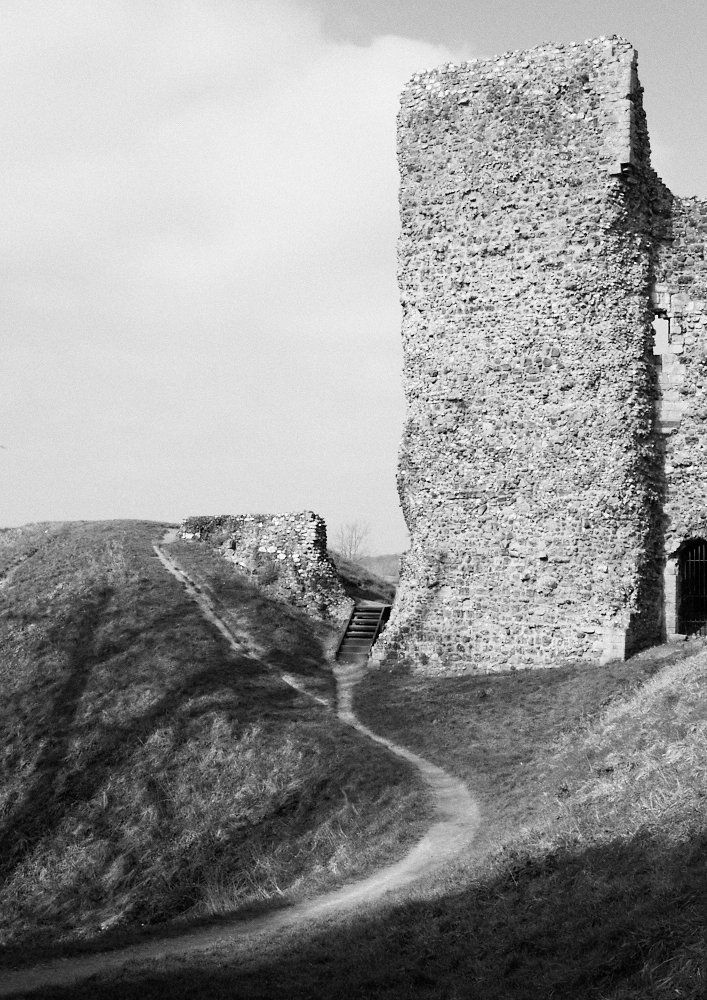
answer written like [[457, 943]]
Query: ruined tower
[[552, 471]]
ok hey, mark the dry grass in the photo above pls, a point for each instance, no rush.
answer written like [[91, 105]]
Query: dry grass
[[498, 732], [360, 582], [589, 879], [148, 773], [284, 637], [387, 567]]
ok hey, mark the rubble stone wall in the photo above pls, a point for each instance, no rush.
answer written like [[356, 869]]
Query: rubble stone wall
[[680, 298], [285, 552], [533, 473]]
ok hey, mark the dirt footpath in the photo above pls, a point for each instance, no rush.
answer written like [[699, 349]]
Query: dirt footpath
[[456, 822]]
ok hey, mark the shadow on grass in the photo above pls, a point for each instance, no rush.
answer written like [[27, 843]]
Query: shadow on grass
[[622, 919], [108, 672], [153, 775], [231, 684], [285, 636], [359, 583], [26, 824]]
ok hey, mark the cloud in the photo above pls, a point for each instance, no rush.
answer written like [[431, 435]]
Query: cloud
[[199, 208]]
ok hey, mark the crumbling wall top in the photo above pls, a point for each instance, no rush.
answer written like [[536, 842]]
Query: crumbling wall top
[[284, 552]]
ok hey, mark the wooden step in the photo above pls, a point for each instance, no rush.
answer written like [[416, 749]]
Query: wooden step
[[363, 628]]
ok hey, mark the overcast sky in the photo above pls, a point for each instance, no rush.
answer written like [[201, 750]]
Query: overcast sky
[[198, 218]]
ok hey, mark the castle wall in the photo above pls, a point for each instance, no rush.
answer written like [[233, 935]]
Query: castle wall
[[530, 473], [680, 297], [284, 552]]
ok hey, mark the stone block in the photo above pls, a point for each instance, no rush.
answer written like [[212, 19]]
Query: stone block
[[526, 241]]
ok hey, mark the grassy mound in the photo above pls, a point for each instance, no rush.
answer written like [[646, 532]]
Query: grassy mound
[[280, 634], [147, 772], [387, 567], [589, 877], [361, 582]]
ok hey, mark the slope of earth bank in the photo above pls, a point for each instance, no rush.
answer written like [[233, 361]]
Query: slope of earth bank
[[149, 773]]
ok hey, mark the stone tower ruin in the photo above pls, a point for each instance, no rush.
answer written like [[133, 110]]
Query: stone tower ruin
[[553, 467]]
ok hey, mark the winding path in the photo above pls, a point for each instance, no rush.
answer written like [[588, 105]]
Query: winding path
[[456, 822]]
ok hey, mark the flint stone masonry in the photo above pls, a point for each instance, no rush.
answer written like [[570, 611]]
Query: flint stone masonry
[[287, 552], [554, 459]]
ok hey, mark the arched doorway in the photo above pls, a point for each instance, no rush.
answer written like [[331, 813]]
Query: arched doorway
[[692, 588]]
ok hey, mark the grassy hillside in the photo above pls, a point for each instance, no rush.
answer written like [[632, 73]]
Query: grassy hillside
[[149, 773], [588, 881], [278, 633], [387, 567], [590, 878], [361, 582]]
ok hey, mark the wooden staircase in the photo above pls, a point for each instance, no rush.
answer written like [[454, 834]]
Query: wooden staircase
[[363, 629]]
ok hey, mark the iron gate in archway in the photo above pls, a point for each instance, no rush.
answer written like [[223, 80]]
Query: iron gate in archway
[[692, 588]]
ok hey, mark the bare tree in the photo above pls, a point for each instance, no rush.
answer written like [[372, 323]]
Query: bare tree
[[350, 539]]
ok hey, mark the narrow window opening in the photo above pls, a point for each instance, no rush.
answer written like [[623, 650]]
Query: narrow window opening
[[661, 335]]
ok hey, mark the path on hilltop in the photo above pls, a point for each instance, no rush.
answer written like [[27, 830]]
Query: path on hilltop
[[454, 827]]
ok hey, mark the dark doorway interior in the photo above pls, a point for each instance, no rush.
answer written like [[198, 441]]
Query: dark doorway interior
[[692, 588]]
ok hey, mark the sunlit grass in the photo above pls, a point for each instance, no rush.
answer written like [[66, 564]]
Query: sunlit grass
[[590, 864], [588, 880], [283, 636], [147, 772], [361, 583]]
